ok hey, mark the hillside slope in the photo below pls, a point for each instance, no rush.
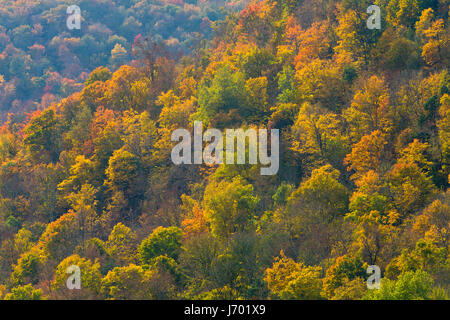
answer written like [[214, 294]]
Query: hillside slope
[[364, 121], [42, 60]]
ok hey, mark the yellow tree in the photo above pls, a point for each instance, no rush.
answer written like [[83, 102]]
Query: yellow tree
[[444, 133], [90, 277], [435, 50], [84, 204], [410, 187], [230, 206], [403, 13], [370, 109], [129, 283], [315, 212], [121, 245], [346, 271], [434, 222], [366, 155], [313, 129], [288, 279], [355, 39], [321, 82]]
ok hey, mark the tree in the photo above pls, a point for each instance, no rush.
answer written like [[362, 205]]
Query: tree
[[370, 204], [224, 293], [366, 155], [140, 134], [60, 237], [321, 195], [28, 268], [26, 292], [355, 39], [42, 136], [118, 54], [105, 134], [417, 152], [82, 172], [256, 21], [315, 132], [90, 278], [124, 176], [121, 245], [435, 39], [370, 109], [289, 280], [198, 259], [99, 74], [314, 213], [434, 221], [427, 256], [282, 194], [409, 286], [257, 63], [195, 223], [320, 83], [315, 43], [256, 98], [224, 92], [128, 283], [410, 187], [286, 85], [230, 206], [142, 96], [84, 204], [444, 133], [122, 170], [162, 241], [403, 12], [394, 51], [119, 95], [373, 237], [341, 273]]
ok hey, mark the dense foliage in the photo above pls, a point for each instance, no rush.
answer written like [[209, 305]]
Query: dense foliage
[[364, 119], [42, 60]]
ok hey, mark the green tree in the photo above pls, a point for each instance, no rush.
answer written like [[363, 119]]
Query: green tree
[[321, 195], [341, 273], [162, 241], [42, 136], [121, 244], [99, 74], [409, 286], [223, 93], [128, 283], [90, 278], [230, 206], [26, 292]]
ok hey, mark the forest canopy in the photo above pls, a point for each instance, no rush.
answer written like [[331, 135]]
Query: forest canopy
[[43, 61], [364, 122]]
